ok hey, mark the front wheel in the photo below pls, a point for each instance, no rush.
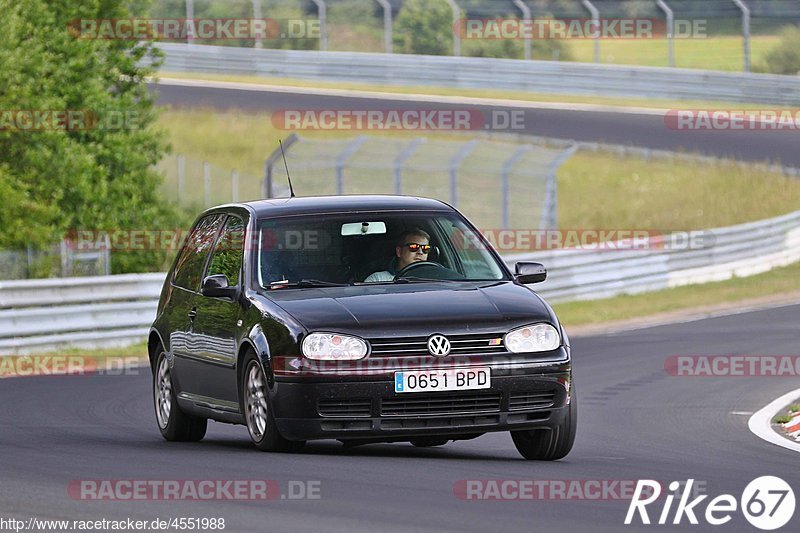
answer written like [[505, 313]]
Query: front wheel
[[257, 413], [549, 444], [174, 424]]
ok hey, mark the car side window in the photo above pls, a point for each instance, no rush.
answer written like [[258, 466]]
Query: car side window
[[192, 259], [229, 251]]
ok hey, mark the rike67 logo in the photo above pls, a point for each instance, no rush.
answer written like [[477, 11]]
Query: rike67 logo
[[767, 503]]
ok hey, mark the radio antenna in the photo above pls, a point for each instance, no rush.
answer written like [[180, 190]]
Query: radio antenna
[[288, 177]]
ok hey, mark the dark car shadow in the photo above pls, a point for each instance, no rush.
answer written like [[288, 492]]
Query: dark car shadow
[[397, 449]]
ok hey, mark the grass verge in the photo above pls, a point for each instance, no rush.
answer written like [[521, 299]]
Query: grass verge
[[101, 354], [713, 53], [603, 190]]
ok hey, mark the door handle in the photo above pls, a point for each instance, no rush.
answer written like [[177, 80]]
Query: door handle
[[193, 313]]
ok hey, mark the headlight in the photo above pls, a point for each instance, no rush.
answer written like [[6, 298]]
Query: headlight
[[334, 347], [533, 338]]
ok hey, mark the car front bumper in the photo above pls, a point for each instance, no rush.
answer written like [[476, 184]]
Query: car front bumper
[[523, 395]]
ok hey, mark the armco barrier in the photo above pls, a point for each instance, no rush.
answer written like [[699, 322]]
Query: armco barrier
[[740, 250], [557, 77], [46, 315], [50, 314]]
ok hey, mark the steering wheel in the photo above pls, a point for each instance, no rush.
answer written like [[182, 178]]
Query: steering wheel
[[418, 264]]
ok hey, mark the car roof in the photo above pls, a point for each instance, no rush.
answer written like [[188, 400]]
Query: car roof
[[304, 205]]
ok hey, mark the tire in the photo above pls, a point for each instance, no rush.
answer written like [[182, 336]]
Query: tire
[[257, 410], [549, 444], [429, 442], [174, 424]]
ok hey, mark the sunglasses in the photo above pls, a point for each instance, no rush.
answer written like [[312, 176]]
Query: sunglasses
[[415, 247]]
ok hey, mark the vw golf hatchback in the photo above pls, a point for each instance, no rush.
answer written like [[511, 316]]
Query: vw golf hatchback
[[358, 318]]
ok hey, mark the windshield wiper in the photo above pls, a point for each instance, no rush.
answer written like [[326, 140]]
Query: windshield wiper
[[305, 283], [410, 279]]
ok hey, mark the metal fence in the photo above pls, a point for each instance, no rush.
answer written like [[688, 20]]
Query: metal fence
[[487, 73], [196, 184], [60, 260], [119, 309], [374, 21], [496, 184]]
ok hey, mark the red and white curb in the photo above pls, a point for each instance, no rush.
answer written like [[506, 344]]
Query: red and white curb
[[761, 423], [792, 427]]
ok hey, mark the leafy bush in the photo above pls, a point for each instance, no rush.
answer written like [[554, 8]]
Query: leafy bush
[[784, 58], [514, 49], [424, 27]]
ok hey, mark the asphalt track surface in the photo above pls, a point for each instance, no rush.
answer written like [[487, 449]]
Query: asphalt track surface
[[636, 421], [642, 130]]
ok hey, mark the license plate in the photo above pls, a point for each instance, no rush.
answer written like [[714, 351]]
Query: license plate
[[443, 380]]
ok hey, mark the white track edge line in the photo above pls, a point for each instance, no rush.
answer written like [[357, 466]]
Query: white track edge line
[[760, 423]]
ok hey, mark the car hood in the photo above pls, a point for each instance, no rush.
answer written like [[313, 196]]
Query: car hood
[[414, 308]]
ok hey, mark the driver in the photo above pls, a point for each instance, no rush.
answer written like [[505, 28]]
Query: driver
[[412, 246]]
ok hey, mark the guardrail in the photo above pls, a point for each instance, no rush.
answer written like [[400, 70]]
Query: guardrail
[[40, 315], [486, 73], [50, 314], [741, 250]]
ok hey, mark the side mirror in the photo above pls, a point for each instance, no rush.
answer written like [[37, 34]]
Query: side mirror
[[530, 272], [216, 286]]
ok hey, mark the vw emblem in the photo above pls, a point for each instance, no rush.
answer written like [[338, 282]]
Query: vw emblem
[[438, 345]]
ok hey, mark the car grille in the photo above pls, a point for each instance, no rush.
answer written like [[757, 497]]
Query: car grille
[[345, 407], [418, 346], [531, 400], [440, 404]]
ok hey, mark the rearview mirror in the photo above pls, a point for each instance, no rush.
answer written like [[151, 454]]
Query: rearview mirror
[[216, 286], [530, 272], [363, 228]]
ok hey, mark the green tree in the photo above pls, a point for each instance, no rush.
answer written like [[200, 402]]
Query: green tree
[[424, 27], [100, 176], [784, 58]]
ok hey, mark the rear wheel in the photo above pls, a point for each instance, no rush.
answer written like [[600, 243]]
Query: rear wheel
[[549, 444], [174, 424], [257, 413]]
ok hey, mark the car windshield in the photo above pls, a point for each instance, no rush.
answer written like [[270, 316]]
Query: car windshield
[[367, 248]]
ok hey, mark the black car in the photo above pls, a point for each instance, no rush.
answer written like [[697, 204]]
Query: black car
[[357, 318]]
